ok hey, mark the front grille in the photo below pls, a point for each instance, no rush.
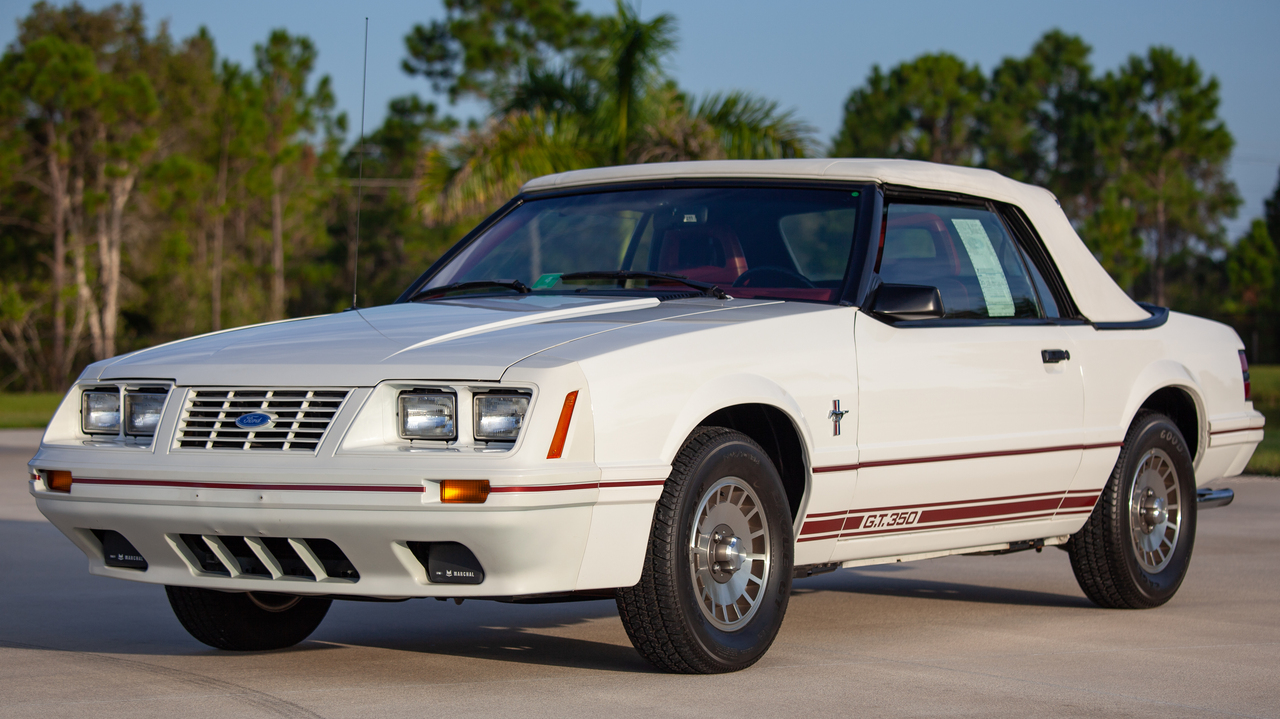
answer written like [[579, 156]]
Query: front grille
[[300, 417], [316, 560]]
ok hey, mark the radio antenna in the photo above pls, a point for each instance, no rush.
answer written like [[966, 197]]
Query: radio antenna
[[364, 82]]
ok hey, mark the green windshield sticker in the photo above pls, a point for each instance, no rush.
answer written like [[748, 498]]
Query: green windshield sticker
[[995, 288], [547, 281]]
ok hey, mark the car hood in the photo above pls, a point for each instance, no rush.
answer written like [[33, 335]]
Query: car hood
[[474, 339]]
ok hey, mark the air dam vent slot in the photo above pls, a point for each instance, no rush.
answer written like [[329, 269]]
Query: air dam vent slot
[[295, 420], [448, 562], [267, 558]]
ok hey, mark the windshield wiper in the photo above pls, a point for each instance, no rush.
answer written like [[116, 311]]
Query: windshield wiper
[[705, 288], [516, 285]]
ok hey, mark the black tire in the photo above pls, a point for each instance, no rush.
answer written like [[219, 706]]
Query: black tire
[[1110, 555], [677, 627], [244, 621]]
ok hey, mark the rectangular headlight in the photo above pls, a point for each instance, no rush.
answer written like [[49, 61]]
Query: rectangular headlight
[[142, 412], [428, 415], [100, 412], [499, 416]]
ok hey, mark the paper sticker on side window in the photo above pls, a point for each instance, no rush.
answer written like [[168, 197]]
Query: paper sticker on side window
[[995, 288]]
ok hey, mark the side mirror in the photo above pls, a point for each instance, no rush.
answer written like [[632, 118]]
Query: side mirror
[[908, 302]]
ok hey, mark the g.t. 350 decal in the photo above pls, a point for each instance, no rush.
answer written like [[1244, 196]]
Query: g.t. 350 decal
[[891, 519]]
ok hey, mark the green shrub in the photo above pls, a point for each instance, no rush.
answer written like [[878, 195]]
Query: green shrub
[[27, 409], [1266, 399]]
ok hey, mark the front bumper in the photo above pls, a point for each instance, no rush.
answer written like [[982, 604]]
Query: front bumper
[[522, 551], [533, 536]]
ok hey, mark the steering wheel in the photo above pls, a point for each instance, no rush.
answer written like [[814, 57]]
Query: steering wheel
[[772, 276]]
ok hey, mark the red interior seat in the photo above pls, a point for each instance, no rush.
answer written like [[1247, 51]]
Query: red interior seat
[[707, 254]]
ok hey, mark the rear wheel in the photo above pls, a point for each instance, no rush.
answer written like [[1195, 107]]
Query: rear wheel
[[717, 575], [246, 621], [1135, 549]]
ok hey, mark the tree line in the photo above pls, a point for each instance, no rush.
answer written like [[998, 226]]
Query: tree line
[[151, 189]]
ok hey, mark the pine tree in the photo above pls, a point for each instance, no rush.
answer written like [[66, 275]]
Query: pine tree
[[925, 109], [1166, 149]]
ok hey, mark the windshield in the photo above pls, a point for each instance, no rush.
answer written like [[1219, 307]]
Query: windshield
[[749, 241]]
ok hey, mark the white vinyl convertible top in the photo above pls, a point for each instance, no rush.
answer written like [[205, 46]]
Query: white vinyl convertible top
[[1096, 294]]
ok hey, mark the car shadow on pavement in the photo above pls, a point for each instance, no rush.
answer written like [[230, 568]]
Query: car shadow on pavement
[[853, 582], [523, 646], [527, 634]]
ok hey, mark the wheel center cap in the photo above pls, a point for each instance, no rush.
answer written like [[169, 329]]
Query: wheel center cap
[[727, 554], [1154, 512]]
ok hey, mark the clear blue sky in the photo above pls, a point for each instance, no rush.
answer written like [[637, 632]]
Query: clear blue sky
[[810, 54]]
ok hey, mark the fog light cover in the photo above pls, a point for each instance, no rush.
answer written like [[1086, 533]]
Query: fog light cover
[[464, 491], [118, 551], [499, 416], [142, 412], [100, 412], [428, 415]]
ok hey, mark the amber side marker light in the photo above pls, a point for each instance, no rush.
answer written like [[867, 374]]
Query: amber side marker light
[[59, 480], [562, 427], [464, 491]]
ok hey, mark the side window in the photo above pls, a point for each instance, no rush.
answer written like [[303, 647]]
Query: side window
[[963, 251], [1047, 302]]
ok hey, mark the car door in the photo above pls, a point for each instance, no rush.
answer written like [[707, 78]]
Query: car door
[[969, 424]]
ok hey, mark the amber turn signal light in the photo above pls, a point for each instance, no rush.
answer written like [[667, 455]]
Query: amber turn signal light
[[59, 480], [562, 427], [464, 491]]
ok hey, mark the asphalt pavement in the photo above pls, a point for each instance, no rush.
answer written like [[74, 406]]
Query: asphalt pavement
[[961, 636]]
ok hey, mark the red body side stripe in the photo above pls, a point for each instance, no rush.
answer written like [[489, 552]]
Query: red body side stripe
[[584, 485], [635, 483], [1082, 501], [253, 486], [822, 526], [956, 457], [931, 514], [817, 537], [349, 487], [979, 500], [867, 533], [1232, 431], [826, 514], [989, 510], [545, 488]]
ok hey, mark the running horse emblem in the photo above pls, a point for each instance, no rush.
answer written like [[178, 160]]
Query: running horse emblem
[[835, 416]]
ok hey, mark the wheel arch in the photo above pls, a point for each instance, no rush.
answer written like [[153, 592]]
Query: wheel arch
[[763, 411], [1170, 388], [774, 431], [1177, 403]]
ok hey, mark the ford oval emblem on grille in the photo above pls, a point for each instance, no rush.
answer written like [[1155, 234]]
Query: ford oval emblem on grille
[[253, 420]]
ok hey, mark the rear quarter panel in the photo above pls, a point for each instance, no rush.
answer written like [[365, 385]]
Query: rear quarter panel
[[1121, 369]]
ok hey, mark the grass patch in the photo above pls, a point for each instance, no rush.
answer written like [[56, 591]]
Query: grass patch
[[1266, 399], [27, 409]]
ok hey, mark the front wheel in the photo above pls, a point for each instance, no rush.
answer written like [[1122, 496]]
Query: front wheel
[[246, 621], [717, 575], [1135, 549]]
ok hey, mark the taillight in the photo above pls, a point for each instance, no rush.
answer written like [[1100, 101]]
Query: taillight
[[1244, 368]]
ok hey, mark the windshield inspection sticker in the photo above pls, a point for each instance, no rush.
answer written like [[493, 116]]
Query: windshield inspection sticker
[[547, 281], [995, 288]]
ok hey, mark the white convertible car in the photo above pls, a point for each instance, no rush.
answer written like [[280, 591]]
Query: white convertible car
[[679, 386]]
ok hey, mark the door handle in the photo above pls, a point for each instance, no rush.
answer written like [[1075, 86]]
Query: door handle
[[1054, 356]]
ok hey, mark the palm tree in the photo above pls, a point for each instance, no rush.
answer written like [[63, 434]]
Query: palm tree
[[611, 103], [634, 52]]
